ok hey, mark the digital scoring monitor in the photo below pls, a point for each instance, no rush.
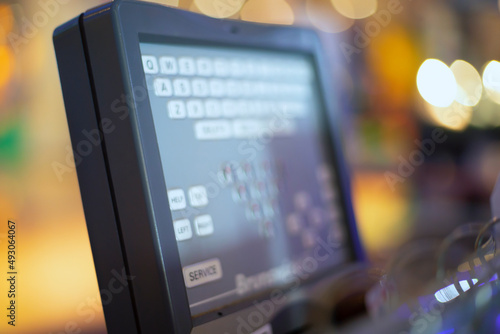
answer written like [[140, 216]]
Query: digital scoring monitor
[[247, 160]]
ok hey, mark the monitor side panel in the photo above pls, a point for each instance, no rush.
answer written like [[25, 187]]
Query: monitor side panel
[[156, 310], [93, 179]]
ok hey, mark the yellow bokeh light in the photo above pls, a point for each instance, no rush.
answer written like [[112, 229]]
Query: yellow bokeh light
[[265, 11], [6, 22], [469, 85], [6, 65], [68, 278], [383, 215], [324, 17], [219, 8], [436, 83], [491, 80], [355, 9], [454, 117], [393, 58]]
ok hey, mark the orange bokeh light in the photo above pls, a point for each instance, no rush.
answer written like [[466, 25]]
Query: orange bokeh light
[[6, 22], [265, 11], [6, 65], [393, 58], [383, 215]]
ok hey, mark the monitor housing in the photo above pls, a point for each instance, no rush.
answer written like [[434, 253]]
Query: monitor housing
[[232, 220]]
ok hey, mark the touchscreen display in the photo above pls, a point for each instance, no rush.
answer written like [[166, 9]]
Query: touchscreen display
[[250, 179]]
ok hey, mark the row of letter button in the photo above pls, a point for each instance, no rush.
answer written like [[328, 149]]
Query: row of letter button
[[223, 67], [220, 88], [213, 108]]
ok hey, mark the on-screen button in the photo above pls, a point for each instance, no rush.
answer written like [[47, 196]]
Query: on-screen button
[[202, 273]]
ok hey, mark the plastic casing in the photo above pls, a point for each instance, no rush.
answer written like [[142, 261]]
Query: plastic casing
[[120, 177]]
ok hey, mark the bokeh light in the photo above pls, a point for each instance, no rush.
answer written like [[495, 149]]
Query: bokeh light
[[393, 59], [219, 8], [383, 215], [54, 269], [12, 132], [6, 65], [486, 114], [6, 22], [455, 117], [491, 80], [265, 11], [56, 253], [436, 83], [469, 85], [355, 9], [325, 17]]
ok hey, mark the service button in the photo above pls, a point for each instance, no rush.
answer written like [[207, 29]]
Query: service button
[[202, 273]]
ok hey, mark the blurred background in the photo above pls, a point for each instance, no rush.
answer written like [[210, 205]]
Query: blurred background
[[420, 86]]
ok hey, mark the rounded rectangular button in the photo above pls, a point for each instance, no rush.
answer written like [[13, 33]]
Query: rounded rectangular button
[[248, 128], [150, 64], [183, 230], [234, 88], [221, 67], [198, 196], [163, 87], [195, 109], [176, 109], [168, 65], [212, 130], [176, 199], [182, 87], [213, 108], [200, 88], [187, 66], [202, 273], [217, 88], [205, 67], [204, 225], [229, 108], [237, 68]]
